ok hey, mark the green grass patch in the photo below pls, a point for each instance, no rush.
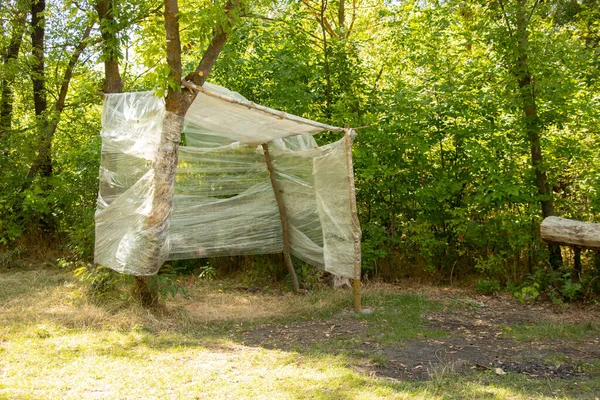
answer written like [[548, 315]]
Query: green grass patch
[[392, 319], [590, 367], [550, 330], [75, 364], [398, 317]]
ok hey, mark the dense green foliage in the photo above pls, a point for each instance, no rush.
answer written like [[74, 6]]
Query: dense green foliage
[[446, 184]]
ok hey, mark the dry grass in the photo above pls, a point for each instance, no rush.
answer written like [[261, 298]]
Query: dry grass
[[217, 302], [55, 343], [52, 296]]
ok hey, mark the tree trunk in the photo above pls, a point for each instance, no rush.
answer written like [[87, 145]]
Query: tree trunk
[[577, 262], [38, 7], [10, 53], [341, 18], [145, 289], [113, 83], [110, 49], [43, 162], [533, 124], [177, 105]]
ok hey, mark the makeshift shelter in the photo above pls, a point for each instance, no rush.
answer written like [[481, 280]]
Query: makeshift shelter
[[224, 200]]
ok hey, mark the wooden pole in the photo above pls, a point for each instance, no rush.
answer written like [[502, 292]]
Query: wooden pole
[[356, 232], [284, 222]]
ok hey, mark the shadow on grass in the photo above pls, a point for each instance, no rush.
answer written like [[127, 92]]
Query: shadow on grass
[[270, 346]]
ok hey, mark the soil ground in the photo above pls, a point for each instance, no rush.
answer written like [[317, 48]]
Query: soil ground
[[478, 337]]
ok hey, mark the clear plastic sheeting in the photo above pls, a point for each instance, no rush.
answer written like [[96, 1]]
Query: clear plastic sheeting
[[330, 173], [223, 201], [240, 121], [224, 204], [131, 129], [292, 161]]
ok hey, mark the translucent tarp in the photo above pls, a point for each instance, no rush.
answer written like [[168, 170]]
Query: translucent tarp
[[244, 124], [223, 202]]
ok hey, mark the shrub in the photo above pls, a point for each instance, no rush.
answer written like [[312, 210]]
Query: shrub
[[488, 286]]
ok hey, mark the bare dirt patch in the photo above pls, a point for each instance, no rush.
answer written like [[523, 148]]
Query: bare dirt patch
[[478, 338]]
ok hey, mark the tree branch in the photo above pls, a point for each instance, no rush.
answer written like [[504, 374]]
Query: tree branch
[[349, 31], [505, 14], [11, 52], [532, 11], [211, 54], [320, 18], [64, 87], [283, 21]]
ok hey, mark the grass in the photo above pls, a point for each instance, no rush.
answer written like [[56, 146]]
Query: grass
[[399, 316], [55, 343], [552, 330]]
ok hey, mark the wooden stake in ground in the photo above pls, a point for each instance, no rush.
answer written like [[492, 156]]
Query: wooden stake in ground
[[356, 232], [284, 225]]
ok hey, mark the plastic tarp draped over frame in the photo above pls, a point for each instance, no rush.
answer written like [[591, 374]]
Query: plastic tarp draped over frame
[[223, 202]]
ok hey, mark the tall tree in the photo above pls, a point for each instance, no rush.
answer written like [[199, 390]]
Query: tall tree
[[43, 162], [333, 34], [517, 20], [9, 56], [177, 103], [38, 32], [48, 119], [113, 83], [111, 49]]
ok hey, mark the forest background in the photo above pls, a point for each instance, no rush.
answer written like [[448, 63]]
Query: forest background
[[482, 118]]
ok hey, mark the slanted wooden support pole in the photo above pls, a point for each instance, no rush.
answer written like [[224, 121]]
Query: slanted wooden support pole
[[284, 223], [356, 232]]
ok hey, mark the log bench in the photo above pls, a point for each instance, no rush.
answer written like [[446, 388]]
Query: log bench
[[569, 232]]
